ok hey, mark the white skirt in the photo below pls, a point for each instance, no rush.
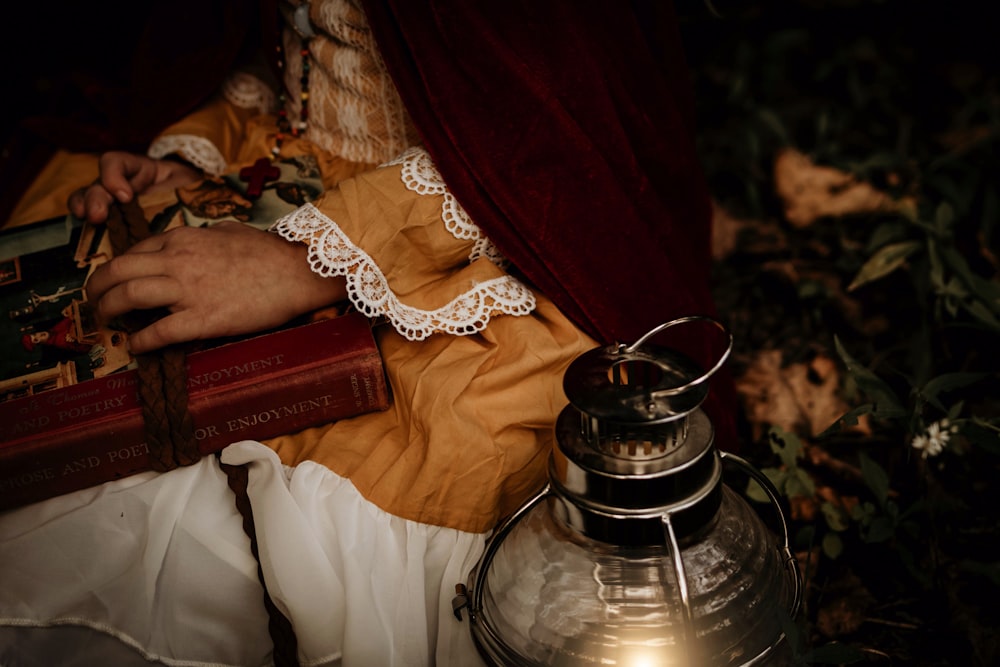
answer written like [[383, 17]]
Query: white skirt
[[156, 567]]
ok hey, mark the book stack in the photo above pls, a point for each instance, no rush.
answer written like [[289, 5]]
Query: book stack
[[70, 415]]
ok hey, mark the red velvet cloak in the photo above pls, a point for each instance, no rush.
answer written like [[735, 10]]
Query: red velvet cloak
[[565, 129]]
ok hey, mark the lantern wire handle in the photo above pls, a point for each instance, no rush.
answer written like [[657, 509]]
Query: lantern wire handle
[[773, 497], [629, 349]]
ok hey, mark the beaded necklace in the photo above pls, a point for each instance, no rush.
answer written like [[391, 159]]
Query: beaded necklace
[[264, 170], [303, 28]]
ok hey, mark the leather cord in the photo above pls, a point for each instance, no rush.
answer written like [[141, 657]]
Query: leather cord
[[162, 374], [278, 626], [169, 428]]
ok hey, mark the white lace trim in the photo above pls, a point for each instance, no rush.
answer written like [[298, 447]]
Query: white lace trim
[[199, 151], [421, 176], [246, 91], [331, 253]]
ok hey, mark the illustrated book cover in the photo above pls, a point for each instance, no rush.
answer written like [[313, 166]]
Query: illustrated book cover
[[70, 415]]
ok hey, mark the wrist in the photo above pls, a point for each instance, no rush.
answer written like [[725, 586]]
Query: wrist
[[178, 164], [173, 171], [316, 291]]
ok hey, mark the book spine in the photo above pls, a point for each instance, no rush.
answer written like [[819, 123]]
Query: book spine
[[219, 367], [68, 459]]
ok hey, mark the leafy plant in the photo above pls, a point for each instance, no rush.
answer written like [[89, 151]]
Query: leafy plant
[[899, 491]]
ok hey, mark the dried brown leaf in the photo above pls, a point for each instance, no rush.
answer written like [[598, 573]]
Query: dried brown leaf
[[726, 231], [800, 398], [811, 191]]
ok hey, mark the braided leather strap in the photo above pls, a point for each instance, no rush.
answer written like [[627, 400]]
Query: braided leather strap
[[279, 627], [162, 375], [170, 428]]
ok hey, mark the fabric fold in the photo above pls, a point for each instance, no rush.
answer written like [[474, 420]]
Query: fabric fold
[[316, 555]]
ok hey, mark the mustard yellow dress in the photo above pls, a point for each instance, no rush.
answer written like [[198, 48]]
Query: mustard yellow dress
[[365, 525]]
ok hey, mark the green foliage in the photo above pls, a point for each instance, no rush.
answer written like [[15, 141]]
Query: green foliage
[[788, 478], [884, 261], [922, 433]]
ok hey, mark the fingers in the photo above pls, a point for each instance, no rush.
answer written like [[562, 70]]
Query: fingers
[[122, 176], [174, 328], [134, 281], [140, 262], [90, 203], [75, 202], [223, 280], [138, 294]]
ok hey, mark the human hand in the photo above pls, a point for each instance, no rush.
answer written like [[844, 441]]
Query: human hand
[[223, 280], [123, 176]]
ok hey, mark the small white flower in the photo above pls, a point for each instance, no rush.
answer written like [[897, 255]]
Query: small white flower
[[933, 441], [919, 442]]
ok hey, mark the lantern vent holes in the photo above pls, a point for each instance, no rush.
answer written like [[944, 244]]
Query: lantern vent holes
[[631, 441]]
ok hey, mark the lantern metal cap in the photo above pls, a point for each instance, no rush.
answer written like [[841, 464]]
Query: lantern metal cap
[[640, 383], [634, 400]]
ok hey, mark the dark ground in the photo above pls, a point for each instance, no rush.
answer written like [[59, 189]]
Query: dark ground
[[904, 97]]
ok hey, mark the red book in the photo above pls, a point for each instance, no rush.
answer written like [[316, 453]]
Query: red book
[[70, 417], [85, 434]]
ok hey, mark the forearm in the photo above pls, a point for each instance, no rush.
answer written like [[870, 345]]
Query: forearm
[[225, 280]]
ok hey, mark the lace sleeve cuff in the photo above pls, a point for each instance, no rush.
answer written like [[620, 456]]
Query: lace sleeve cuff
[[331, 253], [199, 151], [207, 152]]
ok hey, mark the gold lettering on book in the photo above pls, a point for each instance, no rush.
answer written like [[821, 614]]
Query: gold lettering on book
[[26, 479], [275, 414], [88, 409], [233, 372], [126, 453], [356, 390], [61, 397], [207, 432], [370, 390], [30, 425], [120, 381], [79, 465]]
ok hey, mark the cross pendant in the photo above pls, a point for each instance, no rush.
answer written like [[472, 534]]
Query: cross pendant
[[257, 175]]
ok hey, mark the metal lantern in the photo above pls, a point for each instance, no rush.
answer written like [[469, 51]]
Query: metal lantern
[[636, 553]]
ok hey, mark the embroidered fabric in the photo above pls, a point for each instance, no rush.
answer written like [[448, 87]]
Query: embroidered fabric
[[199, 151], [331, 253], [246, 91], [354, 109]]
